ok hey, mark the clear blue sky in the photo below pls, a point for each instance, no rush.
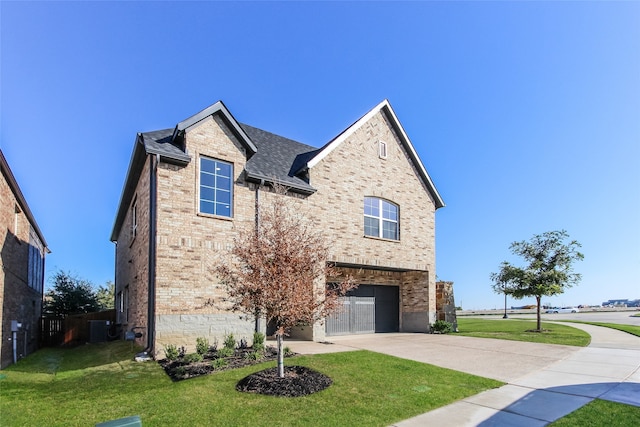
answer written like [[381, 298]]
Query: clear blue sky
[[525, 114]]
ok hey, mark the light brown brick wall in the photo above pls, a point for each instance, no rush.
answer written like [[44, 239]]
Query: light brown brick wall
[[354, 170], [18, 301], [189, 302], [132, 261]]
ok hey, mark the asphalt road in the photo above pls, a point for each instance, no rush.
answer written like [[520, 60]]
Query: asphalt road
[[621, 317]]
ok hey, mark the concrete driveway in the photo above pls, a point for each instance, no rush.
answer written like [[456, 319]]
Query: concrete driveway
[[545, 382], [498, 359]]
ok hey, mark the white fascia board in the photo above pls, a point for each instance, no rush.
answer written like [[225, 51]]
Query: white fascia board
[[404, 139], [346, 134], [414, 155]]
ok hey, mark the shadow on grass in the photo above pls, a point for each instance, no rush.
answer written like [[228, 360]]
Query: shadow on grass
[[550, 404], [56, 360]]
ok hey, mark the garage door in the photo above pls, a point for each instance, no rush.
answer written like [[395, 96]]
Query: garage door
[[367, 309]]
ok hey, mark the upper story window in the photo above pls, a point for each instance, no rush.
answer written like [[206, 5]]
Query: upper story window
[[35, 276], [216, 189], [381, 219]]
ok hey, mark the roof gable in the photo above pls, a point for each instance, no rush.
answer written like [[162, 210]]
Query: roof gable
[[385, 107], [217, 108]]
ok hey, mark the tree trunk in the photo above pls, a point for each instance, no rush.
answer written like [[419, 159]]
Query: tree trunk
[[539, 324], [280, 356]]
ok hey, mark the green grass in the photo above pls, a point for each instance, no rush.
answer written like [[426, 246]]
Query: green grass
[[631, 329], [98, 382], [601, 413], [520, 330]]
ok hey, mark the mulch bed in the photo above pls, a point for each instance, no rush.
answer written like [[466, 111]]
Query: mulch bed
[[298, 381], [181, 369]]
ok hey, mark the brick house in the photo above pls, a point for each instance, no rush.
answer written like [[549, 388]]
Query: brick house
[[22, 272], [190, 188]]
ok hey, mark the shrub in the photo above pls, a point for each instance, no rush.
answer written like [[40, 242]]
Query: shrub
[[258, 341], [287, 351], [253, 355], [202, 345], [225, 352], [442, 327], [230, 342], [171, 352], [193, 358], [219, 363]]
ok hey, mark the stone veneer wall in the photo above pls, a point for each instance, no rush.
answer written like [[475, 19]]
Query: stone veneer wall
[[445, 303]]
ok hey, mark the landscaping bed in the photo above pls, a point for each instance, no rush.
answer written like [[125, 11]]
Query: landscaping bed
[[187, 366]]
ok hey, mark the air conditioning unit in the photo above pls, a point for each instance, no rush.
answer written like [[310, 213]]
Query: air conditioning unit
[[98, 330]]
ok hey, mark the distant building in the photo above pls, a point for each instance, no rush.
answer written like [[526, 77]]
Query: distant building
[[622, 303], [21, 272]]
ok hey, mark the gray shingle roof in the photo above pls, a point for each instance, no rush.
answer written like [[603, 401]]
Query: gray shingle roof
[[161, 142], [277, 159]]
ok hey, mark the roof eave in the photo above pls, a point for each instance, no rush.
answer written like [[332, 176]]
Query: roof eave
[[135, 168], [255, 177], [404, 139], [13, 184]]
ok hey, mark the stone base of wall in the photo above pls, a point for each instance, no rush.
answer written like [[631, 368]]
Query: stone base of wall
[[415, 322], [183, 329], [445, 303]]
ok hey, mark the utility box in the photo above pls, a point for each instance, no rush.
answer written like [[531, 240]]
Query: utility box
[[98, 330], [122, 422]]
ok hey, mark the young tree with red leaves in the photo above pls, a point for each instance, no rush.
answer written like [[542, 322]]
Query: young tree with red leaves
[[278, 270]]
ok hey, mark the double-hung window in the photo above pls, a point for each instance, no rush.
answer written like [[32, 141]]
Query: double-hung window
[[381, 218], [216, 187]]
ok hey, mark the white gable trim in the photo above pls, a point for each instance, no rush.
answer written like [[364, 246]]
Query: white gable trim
[[404, 139], [346, 134]]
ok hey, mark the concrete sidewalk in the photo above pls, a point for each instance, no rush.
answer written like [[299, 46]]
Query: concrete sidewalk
[[544, 382]]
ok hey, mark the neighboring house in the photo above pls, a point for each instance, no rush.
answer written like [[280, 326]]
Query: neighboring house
[[189, 189], [22, 272]]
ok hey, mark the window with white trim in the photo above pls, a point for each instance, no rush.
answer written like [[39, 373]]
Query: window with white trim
[[381, 218], [382, 149], [216, 187]]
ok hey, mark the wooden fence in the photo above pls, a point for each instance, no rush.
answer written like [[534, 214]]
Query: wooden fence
[[72, 330]]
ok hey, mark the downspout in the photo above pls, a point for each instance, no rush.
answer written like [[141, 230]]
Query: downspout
[[257, 219], [151, 306]]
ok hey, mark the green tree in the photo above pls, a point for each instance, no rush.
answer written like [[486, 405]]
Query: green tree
[[70, 295], [106, 295], [548, 271]]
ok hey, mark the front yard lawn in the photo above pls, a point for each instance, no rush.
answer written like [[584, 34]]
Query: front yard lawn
[[519, 330], [601, 413], [99, 382], [630, 329]]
